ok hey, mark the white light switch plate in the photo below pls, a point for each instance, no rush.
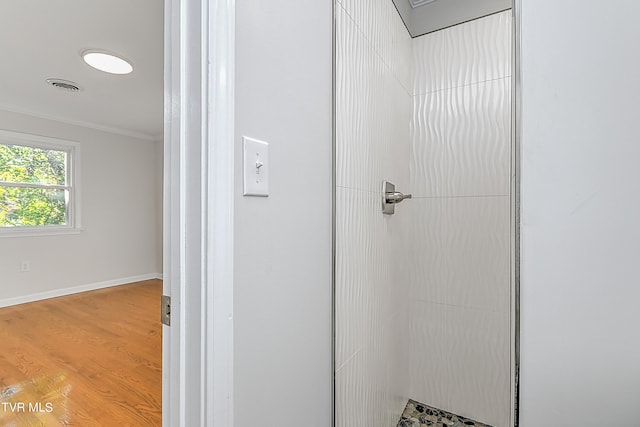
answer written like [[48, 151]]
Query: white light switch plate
[[256, 167]]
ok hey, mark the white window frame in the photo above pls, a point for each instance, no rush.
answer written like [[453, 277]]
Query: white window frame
[[72, 149]]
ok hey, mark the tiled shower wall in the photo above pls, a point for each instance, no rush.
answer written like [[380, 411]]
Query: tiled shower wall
[[422, 296], [460, 178], [373, 104]]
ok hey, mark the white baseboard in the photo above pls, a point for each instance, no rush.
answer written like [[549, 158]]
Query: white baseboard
[[7, 302]]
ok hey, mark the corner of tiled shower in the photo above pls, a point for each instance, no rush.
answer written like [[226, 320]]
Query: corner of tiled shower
[[422, 296], [372, 284]]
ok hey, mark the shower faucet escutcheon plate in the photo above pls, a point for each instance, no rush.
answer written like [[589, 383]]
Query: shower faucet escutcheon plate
[[391, 197]]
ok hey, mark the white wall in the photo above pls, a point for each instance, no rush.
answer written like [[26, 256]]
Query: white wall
[[120, 239], [158, 180], [373, 77], [580, 210], [459, 176], [282, 284]]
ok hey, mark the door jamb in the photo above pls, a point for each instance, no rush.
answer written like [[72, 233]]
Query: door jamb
[[197, 376], [516, 125]]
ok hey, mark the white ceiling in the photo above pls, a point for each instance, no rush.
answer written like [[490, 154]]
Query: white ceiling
[[41, 39], [436, 15]]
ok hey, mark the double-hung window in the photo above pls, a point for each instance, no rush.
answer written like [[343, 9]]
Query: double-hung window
[[38, 185]]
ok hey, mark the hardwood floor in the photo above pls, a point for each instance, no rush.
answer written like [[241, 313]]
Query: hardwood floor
[[90, 359]]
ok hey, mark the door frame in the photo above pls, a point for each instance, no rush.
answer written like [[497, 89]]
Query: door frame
[[197, 385], [197, 381], [516, 127]]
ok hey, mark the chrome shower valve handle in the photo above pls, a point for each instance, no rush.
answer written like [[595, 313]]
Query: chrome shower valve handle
[[391, 197], [396, 197]]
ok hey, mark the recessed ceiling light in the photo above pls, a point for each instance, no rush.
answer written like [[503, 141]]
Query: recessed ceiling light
[[107, 62]]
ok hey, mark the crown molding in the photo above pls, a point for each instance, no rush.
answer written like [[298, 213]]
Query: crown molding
[[81, 123]]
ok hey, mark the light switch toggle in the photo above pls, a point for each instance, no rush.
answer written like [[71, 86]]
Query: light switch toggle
[[256, 167]]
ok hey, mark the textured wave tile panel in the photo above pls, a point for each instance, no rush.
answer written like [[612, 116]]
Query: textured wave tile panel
[[464, 54], [371, 389], [396, 348], [460, 361], [461, 251], [372, 114], [358, 266], [461, 141], [353, 398], [371, 287], [383, 28]]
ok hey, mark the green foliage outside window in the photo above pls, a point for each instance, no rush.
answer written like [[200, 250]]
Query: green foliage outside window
[[35, 202]]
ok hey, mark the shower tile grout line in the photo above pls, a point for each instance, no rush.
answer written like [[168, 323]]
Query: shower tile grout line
[[444, 89], [468, 307], [379, 193], [371, 345], [349, 359], [461, 196], [375, 50]]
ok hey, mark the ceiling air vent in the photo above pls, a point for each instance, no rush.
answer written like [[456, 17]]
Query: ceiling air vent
[[417, 3], [64, 85]]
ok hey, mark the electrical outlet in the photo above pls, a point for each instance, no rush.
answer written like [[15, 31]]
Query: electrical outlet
[[25, 266]]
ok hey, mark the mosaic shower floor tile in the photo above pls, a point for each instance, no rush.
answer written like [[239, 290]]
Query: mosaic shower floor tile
[[419, 415]]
